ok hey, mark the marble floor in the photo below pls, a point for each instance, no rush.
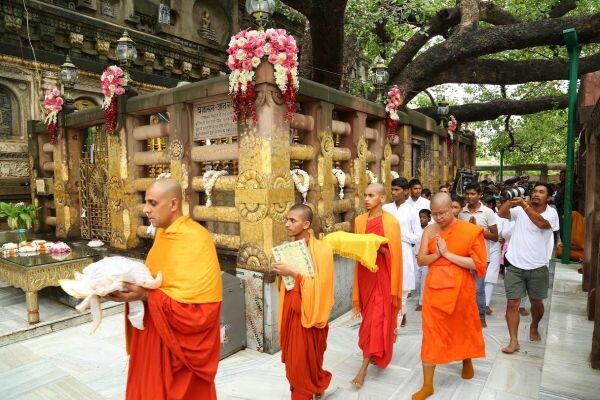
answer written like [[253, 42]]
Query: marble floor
[[71, 364], [54, 315]]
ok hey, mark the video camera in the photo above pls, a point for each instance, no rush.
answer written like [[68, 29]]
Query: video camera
[[464, 177], [521, 190]]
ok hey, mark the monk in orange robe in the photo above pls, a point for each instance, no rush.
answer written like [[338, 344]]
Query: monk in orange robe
[[377, 296], [304, 312], [453, 249], [177, 354]]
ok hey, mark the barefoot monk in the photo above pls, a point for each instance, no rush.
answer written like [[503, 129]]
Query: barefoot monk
[[377, 296], [177, 354], [304, 312], [451, 327]]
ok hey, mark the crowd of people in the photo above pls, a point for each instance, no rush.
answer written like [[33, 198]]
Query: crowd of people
[[446, 248]]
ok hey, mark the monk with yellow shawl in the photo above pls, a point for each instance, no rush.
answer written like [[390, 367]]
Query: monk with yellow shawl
[[304, 312], [377, 295], [453, 249], [177, 354]]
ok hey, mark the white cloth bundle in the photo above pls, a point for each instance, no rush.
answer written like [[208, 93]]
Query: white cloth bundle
[[106, 276]]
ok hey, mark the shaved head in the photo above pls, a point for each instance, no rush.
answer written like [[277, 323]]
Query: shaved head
[[441, 200], [168, 188], [304, 210], [378, 188], [163, 202]]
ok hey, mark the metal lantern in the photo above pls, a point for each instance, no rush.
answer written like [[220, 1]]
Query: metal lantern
[[380, 76], [68, 78], [126, 51], [261, 10], [443, 109]]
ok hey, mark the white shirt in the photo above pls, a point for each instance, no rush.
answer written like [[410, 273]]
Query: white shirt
[[529, 244], [484, 217], [410, 234], [420, 204]]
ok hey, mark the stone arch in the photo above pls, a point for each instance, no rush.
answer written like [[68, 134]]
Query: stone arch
[[220, 21]]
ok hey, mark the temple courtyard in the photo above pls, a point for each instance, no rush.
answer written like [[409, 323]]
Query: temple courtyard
[[72, 364]]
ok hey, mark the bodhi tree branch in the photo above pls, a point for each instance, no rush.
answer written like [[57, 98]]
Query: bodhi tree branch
[[497, 72], [494, 109]]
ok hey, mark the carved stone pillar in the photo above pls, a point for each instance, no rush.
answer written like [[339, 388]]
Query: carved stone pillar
[[405, 133], [263, 195]]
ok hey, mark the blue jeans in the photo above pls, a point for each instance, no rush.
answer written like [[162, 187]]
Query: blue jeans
[[480, 286]]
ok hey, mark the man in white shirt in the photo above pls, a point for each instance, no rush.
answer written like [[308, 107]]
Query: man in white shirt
[[478, 214], [410, 233], [527, 259], [415, 199]]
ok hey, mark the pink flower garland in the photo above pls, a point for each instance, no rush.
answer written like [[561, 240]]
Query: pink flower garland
[[112, 86], [452, 126], [246, 50], [52, 106], [393, 103]]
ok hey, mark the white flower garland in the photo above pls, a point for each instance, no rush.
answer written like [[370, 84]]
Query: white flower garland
[[209, 179], [395, 175], [301, 186], [341, 178], [372, 176]]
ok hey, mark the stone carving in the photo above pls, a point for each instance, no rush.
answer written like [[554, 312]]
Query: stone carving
[[327, 145], [205, 30], [149, 58], [387, 152], [362, 148], [249, 201], [186, 67], [169, 62], [328, 223], [205, 72], [59, 193], [14, 168], [281, 182], [252, 257], [76, 40], [175, 149], [12, 23], [102, 47], [115, 194]]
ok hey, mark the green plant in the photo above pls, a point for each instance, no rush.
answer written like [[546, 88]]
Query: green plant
[[18, 215]]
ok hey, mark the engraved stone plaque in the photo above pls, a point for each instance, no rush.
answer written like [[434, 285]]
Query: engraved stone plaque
[[214, 120]]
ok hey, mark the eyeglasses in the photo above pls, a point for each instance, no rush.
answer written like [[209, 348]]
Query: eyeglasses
[[440, 214]]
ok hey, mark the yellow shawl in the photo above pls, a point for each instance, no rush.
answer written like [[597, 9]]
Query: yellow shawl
[[359, 247], [186, 256], [316, 293]]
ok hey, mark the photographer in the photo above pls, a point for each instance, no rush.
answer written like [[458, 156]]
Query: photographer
[[527, 258]]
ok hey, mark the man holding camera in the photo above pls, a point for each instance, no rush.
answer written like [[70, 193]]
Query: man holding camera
[[527, 258]]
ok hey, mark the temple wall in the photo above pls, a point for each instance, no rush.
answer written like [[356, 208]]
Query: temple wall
[[187, 131]]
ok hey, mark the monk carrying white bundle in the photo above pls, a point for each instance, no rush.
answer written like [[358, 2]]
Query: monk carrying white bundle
[[106, 276]]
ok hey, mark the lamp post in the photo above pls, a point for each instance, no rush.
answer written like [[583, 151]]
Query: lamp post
[[380, 77], [126, 54], [443, 109], [260, 10], [68, 78]]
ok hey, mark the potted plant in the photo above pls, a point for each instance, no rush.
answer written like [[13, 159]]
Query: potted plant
[[19, 216]]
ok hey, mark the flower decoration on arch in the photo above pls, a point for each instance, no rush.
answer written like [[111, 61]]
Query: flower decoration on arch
[[452, 127], [393, 103], [53, 104], [112, 86], [246, 51]]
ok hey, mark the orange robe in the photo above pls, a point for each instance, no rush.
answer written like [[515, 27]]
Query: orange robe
[[303, 325], [177, 354], [451, 326], [378, 295]]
